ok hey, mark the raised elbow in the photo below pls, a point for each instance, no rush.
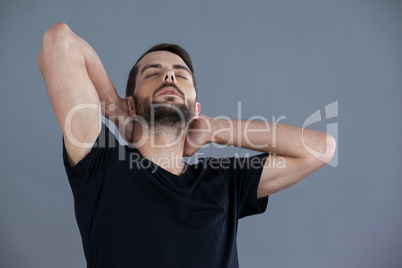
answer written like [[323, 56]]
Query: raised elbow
[[322, 151], [329, 148], [56, 40], [56, 33]]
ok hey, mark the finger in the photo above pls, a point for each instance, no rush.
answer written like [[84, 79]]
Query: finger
[[189, 151]]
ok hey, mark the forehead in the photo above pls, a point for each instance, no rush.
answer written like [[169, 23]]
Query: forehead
[[161, 57]]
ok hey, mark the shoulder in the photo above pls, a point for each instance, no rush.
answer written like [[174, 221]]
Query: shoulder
[[106, 140]]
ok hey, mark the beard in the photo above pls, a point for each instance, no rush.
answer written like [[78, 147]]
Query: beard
[[164, 117]]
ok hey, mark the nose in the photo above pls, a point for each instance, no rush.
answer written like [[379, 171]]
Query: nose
[[169, 77]]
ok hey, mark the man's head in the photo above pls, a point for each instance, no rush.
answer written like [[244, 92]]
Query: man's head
[[173, 48], [162, 86]]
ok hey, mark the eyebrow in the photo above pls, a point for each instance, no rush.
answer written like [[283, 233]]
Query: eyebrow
[[181, 67], [149, 66], [158, 66]]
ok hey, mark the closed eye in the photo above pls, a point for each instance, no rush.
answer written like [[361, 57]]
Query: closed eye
[[152, 74], [180, 76]]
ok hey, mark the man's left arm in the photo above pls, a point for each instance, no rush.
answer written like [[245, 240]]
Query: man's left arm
[[285, 144]]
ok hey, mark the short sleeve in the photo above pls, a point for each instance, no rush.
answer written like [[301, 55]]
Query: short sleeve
[[246, 173], [82, 173]]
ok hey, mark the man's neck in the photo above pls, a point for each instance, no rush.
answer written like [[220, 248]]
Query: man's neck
[[164, 148]]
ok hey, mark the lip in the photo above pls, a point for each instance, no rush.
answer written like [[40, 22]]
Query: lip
[[169, 91]]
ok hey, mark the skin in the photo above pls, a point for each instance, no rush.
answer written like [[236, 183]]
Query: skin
[[168, 147], [75, 75]]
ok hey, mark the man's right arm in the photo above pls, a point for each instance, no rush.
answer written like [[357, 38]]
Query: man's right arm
[[76, 82]]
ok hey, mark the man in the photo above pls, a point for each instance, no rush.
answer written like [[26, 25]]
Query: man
[[140, 205]]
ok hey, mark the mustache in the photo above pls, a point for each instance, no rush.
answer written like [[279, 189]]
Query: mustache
[[169, 84]]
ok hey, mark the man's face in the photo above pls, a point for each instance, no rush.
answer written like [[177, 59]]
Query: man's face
[[164, 81]]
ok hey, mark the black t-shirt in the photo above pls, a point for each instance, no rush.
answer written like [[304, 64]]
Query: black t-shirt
[[133, 213]]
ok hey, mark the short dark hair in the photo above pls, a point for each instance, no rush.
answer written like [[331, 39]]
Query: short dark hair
[[173, 48]]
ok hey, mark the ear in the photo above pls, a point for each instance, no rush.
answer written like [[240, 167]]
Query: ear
[[197, 110], [131, 105]]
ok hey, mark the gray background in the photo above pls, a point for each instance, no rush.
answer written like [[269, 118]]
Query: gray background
[[278, 58]]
